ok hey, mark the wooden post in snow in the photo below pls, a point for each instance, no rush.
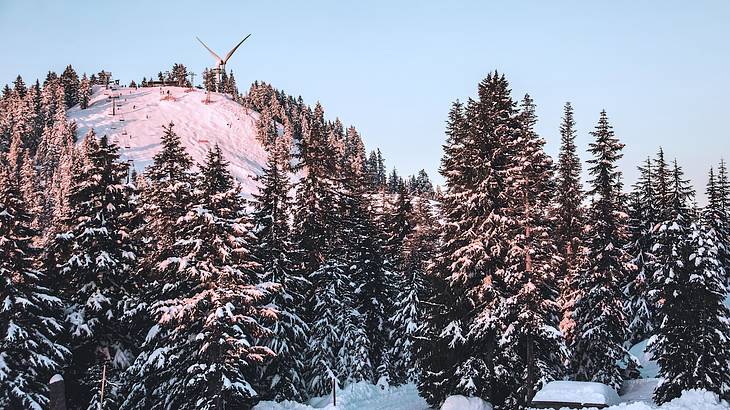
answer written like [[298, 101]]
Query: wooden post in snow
[[334, 392]]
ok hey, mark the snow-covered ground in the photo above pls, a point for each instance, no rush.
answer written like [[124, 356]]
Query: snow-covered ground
[[359, 396], [636, 395], [141, 113]]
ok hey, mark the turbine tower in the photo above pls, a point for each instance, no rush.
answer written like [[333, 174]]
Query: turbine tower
[[221, 62]]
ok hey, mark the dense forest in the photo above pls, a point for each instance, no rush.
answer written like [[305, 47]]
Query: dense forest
[[184, 294]]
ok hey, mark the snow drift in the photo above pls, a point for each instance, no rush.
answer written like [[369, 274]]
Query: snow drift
[[465, 403]]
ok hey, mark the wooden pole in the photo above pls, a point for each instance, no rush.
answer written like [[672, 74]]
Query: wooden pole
[[334, 392], [103, 385]]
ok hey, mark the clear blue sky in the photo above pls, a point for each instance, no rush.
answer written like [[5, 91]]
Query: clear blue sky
[[660, 68]]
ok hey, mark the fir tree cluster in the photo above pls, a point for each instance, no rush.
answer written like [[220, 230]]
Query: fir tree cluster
[[536, 279]]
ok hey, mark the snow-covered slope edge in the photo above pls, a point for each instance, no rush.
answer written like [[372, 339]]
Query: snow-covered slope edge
[[359, 396], [141, 113]]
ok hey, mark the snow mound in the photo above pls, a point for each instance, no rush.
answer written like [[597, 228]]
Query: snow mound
[[359, 396], [696, 400], [141, 113], [56, 378], [465, 403], [577, 392]]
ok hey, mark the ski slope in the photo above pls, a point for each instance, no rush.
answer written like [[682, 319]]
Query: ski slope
[[141, 113]]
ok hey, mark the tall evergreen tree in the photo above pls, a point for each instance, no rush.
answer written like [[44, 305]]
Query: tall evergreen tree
[[691, 341], [167, 196], [201, 354], [30, 351], [366, 340], [530, 344], [473, 250], [600, 321], [670, 235], [716, 217], [284, 376], [97, 260], [642, 218], [418, 246], [84, 92], [568, 219], [71, 86]]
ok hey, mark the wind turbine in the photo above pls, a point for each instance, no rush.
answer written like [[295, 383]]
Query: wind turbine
[[221, 62]]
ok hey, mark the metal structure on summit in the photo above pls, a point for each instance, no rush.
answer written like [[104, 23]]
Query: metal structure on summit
[[221, 62]]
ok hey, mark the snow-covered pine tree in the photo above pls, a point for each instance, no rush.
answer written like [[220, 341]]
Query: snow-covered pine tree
[[209, 80], [690, 343], [30, 316], [54, 158], [315, 223], [436, 350], [30, 190], [715, 216], [638, 306], [569, 216], [661, 181], [266, 129], [473, 248], [530, 345], [21, 121], [96, 261], [723, 187], [70, 81], [365, 342], [282, 378], [670, 235], [230, 86], [84, 92], [600, 321], [166, 196], [315, 220], [329, 311], [394, 182], [418, 247], [179, 74], [221, 85], [169, 196], [201, 353], [36, 101]]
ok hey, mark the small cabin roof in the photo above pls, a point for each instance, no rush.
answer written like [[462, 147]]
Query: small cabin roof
[[576, 393]]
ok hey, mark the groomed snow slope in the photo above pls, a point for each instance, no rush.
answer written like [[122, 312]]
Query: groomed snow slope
[[144, 111]]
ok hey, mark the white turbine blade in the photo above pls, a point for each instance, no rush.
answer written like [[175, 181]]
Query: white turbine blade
[[211, 51], [230, 53]]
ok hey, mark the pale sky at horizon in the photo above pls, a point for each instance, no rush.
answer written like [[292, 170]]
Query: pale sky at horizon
[[659, 68]]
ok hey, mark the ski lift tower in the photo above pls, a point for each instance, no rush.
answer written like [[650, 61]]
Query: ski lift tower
[[114, 98]]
